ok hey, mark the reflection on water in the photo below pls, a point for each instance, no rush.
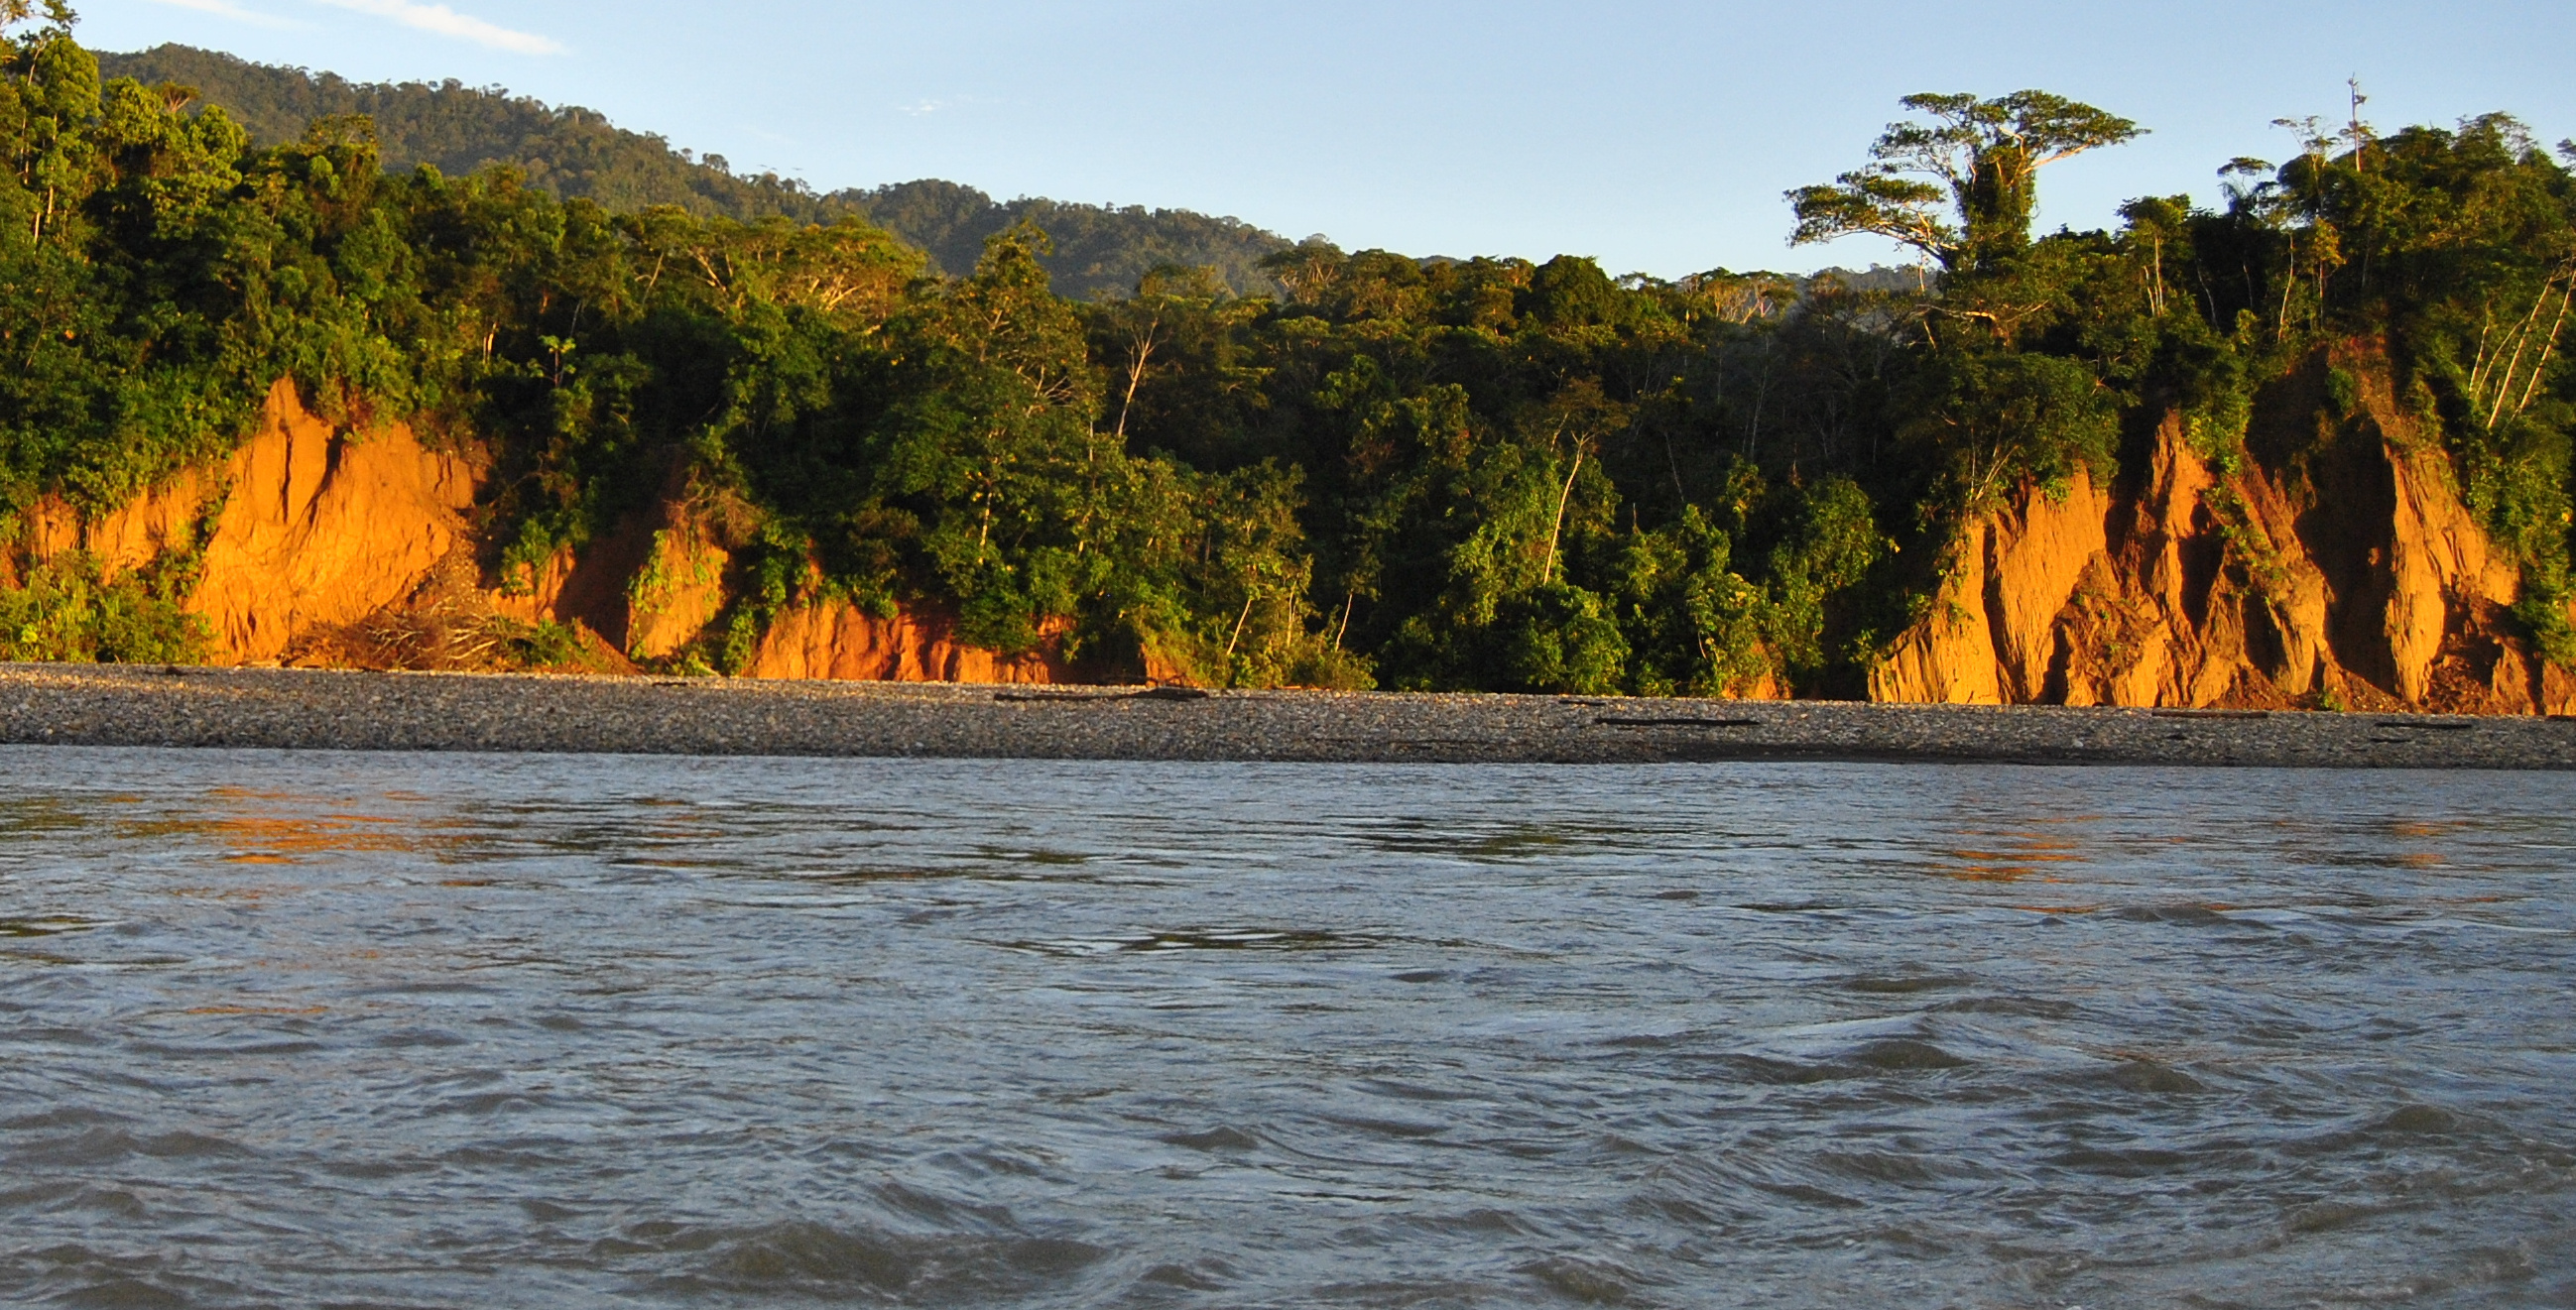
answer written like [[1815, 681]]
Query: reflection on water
[[422, 1030]]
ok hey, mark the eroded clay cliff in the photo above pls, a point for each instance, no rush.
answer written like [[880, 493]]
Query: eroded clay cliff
[[664, 579], [2333, 565], [321, 546], [303, 528], [2330, 562], [838, 640]]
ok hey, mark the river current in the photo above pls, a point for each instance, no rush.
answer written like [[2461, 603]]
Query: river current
[[413, 1030]]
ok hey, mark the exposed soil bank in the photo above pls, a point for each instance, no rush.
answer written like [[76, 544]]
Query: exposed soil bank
[[298, 708], [325, 547], [2332, 563], [2327, 561]]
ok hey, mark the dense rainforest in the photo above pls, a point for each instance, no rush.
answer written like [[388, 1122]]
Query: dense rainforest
[[1381, 470]]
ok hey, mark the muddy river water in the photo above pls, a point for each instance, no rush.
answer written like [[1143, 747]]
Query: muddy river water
[[419, 1030]]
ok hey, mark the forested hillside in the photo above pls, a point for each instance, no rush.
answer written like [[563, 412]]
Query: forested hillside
[[571, 152], [1483, 473]]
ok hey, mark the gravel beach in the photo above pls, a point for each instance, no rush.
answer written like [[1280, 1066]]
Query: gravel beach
[[124, 705]]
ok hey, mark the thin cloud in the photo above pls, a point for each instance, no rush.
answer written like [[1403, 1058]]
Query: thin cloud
[[925, 108], [448, 22], [225, 9]]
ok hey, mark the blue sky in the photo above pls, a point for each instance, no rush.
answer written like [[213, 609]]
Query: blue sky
[[1657, 137]]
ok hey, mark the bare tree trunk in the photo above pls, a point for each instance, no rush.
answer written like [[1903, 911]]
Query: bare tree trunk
[[1136, 372], [2520, 337], [2548, 345], [1548, 574], [1250, 594]]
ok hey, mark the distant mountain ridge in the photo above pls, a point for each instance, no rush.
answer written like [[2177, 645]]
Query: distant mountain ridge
[[570, 151]]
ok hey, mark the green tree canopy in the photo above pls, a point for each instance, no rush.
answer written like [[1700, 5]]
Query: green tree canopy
[[1979, 157]]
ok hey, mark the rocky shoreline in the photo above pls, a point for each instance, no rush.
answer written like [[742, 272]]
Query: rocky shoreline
[[112, 705]]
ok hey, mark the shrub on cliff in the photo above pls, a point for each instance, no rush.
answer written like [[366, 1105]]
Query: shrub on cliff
[[63, 611]]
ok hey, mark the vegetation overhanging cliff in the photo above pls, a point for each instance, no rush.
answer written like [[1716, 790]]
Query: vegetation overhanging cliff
[[276, 403]]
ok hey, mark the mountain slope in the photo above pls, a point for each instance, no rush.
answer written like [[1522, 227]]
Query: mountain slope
[[1099, 249], [570, 151]]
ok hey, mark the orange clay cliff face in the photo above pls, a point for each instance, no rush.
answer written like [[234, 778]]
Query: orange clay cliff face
[[2334, 566], [2329, 563], [303, 528], [325, 547]]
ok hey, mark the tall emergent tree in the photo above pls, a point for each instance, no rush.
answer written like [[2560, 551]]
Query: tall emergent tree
[[1986, 156]]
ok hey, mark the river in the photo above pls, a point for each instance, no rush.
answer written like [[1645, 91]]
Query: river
[[447, 1030]]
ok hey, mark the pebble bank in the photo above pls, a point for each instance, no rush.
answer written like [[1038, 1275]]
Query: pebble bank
[[108, 705]]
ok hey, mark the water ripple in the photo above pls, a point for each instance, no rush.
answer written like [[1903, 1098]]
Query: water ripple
[[427, 1030]]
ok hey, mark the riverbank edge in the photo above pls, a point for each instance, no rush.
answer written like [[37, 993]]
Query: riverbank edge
[[304, 709]]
